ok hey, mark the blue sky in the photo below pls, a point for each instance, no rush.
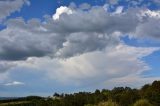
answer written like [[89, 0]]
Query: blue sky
[[69, 46]]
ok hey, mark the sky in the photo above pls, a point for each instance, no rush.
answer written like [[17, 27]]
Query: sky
[[68, 46]]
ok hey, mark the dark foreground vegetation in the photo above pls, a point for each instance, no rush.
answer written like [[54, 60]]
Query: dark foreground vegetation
[[148, 95]]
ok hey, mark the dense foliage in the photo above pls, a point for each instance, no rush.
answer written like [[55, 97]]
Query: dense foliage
[[148, 95]]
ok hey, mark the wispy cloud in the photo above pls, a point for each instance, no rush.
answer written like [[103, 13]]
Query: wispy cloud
[[14, 83]]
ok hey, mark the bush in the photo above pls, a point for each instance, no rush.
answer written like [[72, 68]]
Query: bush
[[89, 105], [108, 103], [142, 102]]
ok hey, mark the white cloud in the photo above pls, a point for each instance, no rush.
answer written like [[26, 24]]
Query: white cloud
[[151, 13], [61, 10], [14, 83], [95, 67], [119, 10]]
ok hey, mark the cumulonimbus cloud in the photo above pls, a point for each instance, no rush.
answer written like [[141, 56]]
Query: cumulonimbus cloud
[[94, 67], [74, 34], [81, 45]]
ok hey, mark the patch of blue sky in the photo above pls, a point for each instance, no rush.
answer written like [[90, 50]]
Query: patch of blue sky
[[35, 82], [141, 42], [36, 10], [151, 60], [2, 27], [48, 7]]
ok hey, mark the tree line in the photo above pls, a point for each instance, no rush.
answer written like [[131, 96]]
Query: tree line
[[148, 95]]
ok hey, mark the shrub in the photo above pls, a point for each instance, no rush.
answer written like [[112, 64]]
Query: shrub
[[108, 103], [89, 105], [142, 102]]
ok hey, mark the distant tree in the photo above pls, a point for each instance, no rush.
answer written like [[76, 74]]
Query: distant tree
[[156, 86], [97, 92], [56, 95]]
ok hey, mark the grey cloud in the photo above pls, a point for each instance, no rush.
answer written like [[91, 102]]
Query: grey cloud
[[149, 29], [19, 43], [79, 43], [94, 20], [4, 66], [70, 35], [21, 40], [9, 6], [113, 2], [157, 1], [85, 6], [129, 3]]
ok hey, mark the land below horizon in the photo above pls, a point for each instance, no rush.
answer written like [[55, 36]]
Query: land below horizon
[[148, 95]]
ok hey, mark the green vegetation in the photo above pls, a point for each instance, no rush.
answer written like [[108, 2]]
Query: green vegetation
[[142, 102], [15, 103], [108, 103], [148, 95]]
